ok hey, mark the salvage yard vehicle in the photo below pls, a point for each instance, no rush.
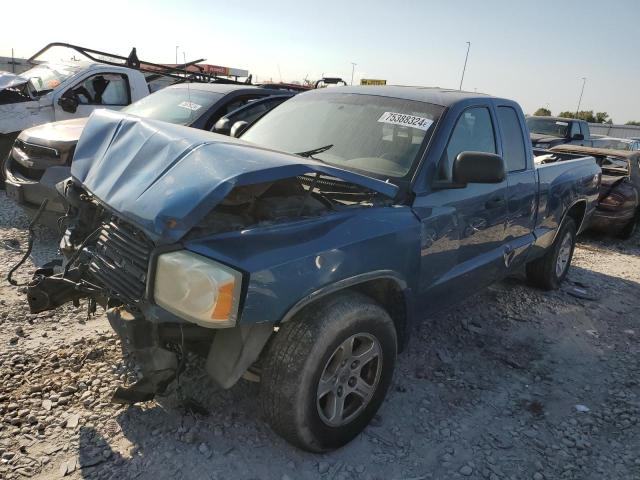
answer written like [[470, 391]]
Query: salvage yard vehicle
[[628, 144], [62, 90], [41, 156], [302, 253], [547, 132], [618, 209]]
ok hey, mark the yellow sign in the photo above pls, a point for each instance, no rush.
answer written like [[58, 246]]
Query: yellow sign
[[371, 81]]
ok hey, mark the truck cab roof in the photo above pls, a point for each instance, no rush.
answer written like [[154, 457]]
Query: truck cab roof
[[434, 95]]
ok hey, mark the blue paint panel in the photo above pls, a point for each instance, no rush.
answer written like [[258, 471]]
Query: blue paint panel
[[287, 262], [165, 178]]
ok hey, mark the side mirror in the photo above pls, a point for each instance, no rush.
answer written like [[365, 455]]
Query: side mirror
[[238, 128], [478, 167], [68, 104], [578, 136], [222, 126]]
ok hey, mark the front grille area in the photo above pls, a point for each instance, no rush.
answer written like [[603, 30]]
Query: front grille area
[[26, 172], [121, 260]]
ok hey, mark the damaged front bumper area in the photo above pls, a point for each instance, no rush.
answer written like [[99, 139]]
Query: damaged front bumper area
[[114, 266]]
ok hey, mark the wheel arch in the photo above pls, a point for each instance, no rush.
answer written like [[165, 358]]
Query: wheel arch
[[385, 287]]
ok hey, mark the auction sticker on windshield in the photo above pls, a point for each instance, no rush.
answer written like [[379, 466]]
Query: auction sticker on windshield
[[405, 120], [563, 124], [190, 105]]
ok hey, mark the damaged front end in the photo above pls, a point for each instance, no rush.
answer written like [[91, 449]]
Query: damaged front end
[[125, 236]]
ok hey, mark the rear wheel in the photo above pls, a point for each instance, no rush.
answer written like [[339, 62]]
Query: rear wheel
[[327, 372], [549, 271]]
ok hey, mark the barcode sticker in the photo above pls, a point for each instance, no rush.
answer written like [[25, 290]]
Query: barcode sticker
[[405, 120], [190, 105]]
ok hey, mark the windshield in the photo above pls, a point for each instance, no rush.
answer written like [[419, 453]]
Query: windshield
[[612, 143], [548, 126], [377, 135], [181, 106], [48, 76]]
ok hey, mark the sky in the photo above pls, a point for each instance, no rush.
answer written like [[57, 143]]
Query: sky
[[533, 52]]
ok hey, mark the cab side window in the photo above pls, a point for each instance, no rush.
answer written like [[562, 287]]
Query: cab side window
[[473, 132], [227, 108], [103, 89], [575, 128], [513, 148], [252, 112]]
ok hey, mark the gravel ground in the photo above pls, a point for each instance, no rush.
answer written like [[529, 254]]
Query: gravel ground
[[514, 383]]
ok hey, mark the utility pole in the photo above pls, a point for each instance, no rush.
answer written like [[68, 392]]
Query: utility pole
[[584, 80], [177, 46], [353, 69], [465, 64]]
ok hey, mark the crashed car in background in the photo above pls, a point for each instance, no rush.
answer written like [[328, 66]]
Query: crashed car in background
[[618, 209], [547, 132], [62, 90], [612, 143], [301, 253], [41, 156]]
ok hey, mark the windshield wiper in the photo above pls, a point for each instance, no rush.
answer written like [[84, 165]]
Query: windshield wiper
[[315, 151]]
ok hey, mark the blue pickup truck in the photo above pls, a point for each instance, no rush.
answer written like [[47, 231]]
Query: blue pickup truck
[[300, 254]]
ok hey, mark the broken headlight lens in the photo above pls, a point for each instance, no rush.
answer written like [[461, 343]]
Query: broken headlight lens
[[197, 289]]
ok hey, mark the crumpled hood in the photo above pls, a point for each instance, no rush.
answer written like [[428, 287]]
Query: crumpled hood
[[8, 80], [540, 138], [165, 178]]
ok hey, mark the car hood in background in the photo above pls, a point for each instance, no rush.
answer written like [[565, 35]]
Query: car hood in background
[[49, 134], [165, 178]]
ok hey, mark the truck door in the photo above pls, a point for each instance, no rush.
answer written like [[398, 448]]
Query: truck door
[[522, 186], [462, 228], [100, 90]]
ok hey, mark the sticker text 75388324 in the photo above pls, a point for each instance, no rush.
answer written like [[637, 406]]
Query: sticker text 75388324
[[405, 120]]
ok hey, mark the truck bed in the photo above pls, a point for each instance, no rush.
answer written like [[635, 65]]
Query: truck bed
[[564, 179]]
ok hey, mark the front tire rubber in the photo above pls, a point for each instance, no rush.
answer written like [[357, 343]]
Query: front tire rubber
[[317, 394], [550, 270]]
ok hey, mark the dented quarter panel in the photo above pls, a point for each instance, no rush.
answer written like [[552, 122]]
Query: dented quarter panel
[[287, 262], [165, 178]]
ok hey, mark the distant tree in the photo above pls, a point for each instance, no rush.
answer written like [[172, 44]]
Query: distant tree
[[633, 122], [586, 115], [542, 112], [603, 117]]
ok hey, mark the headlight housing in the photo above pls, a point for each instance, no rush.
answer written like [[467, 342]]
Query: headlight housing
[[542, 145], [197, 289]]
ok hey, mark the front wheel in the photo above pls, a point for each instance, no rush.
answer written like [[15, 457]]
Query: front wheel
[[327, 372], [550, 270]]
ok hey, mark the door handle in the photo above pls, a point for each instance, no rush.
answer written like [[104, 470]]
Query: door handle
[[494, 203]]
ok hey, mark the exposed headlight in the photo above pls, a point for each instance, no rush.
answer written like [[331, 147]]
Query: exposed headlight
[[542, 145], [197, 289]]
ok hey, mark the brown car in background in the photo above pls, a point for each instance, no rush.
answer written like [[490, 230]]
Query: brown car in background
[[618, 209]]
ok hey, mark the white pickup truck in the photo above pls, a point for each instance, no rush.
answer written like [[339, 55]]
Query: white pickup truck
[[61, 90], [58, 91]]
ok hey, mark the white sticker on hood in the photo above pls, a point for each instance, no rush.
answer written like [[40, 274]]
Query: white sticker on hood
[[190, 105], [564, 124], [405, 120]]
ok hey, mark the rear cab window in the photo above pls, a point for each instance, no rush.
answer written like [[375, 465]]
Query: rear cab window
[[513, 146]]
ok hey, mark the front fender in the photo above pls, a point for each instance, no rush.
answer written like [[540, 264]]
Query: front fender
[[287, 265]]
